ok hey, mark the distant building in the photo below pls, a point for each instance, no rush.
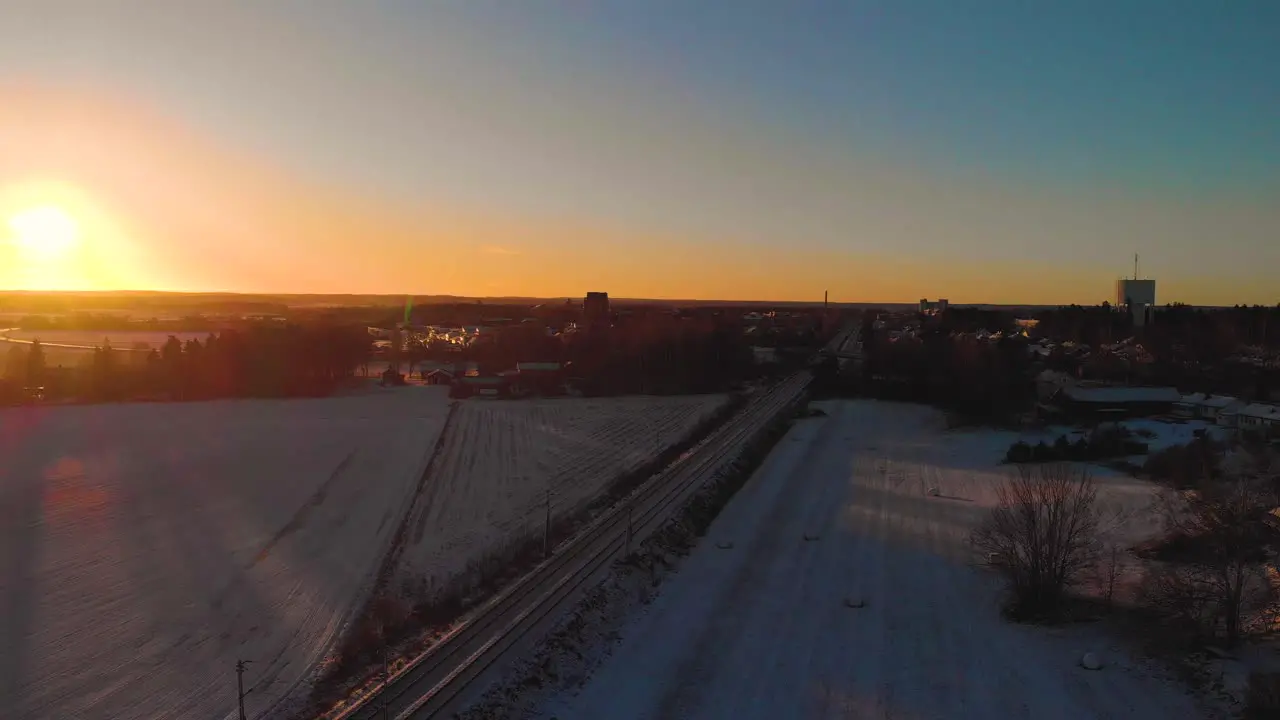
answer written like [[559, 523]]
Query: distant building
[[1202, 406], [595, 308], [1258, 416], [1138, 297], [490, 386], [438, 377], [540, 378], [1096, 402], [939, 306]]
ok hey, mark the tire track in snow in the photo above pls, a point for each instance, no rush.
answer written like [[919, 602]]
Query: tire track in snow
[[702, 658], [826, 477], [295, 523], [830, 625], [421, 504], [299, 519]]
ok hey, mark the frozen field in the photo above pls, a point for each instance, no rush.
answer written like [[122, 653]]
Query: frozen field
[[500, 458], [761, 630], [144, 548]]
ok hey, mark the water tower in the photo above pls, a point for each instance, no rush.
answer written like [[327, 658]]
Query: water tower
[[1136, 295]]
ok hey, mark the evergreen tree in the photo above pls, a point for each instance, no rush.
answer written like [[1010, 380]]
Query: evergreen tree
[[35, 364], [15, 367]]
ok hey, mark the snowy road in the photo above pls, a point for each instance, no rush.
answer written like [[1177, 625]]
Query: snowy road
[[761, 630]]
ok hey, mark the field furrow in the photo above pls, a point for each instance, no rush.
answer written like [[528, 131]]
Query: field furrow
[[144, 548], [494, 474]]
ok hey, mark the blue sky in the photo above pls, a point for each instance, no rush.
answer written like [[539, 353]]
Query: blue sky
[[943, 141]]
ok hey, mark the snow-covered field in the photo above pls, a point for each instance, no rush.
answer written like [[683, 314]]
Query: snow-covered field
[[490, 482], [761, 629], [144, 548]]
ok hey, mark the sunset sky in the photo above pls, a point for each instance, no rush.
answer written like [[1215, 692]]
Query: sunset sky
[[884, 150]]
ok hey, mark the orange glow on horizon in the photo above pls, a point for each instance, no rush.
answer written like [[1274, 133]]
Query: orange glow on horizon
[[160, 205]]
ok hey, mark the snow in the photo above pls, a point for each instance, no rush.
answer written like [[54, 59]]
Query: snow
[[1217, 402], [764, 630], [1260, 412], [500, 457], [144, 548], [1159, 435]]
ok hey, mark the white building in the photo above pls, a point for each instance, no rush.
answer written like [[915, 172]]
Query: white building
[[1258, 416], [1136, 296], [1203, 406]]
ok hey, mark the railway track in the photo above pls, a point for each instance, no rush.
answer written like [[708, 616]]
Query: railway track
[[433, 682]]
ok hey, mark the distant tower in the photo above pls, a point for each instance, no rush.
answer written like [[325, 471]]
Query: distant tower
[[595, 309], [1136, 295]]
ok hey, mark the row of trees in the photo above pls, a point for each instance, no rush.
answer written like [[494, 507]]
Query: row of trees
[[976, 379], [262, 362], [662, 356], [1205, 333], [1102, 443], [943, 364], [25, 366], [286, 361]]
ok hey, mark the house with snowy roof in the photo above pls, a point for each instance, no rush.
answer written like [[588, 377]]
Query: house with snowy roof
[[1098, 402], [1258, 416], [1205, 406]]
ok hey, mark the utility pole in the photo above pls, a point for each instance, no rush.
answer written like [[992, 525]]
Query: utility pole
[[546, 530], [627, 552], [240, 667], [386, 671]]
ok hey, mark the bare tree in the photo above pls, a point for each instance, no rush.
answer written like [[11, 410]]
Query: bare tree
[[1109, 572], [1042, 535], [1218, 579]]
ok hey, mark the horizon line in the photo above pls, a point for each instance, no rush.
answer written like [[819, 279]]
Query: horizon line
[[621, 299]]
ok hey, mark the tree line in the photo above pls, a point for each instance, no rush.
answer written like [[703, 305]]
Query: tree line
[[662, 355], [974, 379], [289, 361]]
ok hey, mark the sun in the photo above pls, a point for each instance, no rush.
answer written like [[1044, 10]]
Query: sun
[[44, 232]]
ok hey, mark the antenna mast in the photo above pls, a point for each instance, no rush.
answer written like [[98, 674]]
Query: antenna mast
[[1135, 266]]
